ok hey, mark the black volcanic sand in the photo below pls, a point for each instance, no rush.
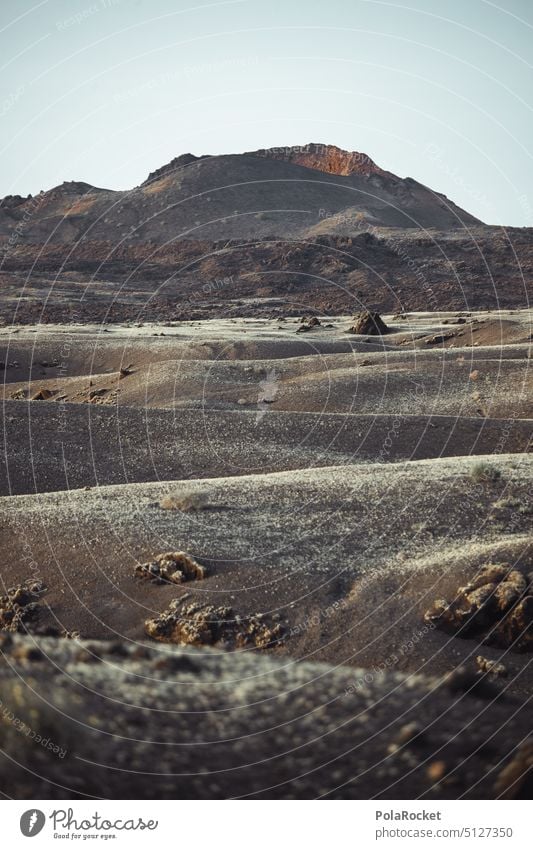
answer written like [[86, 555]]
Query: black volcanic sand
[[47, 449], [332, 485]]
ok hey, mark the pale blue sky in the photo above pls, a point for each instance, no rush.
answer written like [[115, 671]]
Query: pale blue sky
[[107, 90]]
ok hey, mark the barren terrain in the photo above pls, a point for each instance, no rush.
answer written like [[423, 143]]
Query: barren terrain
[[328, 488], [259, 541]]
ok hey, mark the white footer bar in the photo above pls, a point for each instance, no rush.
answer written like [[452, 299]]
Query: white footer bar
[[267, 824]]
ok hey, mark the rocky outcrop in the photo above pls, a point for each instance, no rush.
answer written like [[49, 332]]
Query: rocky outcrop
[[196, 624], [497, 605], [324, 157], [172, 166], [173, 567], [20, 605], [368, 323]]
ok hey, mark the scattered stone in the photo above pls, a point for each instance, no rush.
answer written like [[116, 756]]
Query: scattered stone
[[175, 663], [307, 324], [368, 323], [42, 395], [497, 603], [491, 667], [173, 567], [20, 606], [439, 338], [515, 780], [97, 393], [28, 653], [408, 733], [436, 771], [196, 624], [55, 631], [467, 680]]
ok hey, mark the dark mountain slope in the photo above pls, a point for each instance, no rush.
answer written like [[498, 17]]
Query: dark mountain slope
[[294, 194]]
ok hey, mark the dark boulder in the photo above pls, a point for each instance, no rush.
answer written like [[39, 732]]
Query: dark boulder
[[368, 323]]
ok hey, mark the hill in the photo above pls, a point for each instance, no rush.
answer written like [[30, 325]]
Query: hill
[[290, 192]]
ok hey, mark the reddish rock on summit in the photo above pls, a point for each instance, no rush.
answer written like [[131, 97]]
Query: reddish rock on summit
[[324, 157]]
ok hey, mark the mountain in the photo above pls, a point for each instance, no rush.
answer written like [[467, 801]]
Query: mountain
[[289, 192]]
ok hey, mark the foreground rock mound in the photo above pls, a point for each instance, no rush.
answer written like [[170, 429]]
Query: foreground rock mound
[[198, 624], [173, 567], [497, 603], [368, 323], [20, 606]]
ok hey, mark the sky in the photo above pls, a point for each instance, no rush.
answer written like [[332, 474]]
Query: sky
[[105, 91]]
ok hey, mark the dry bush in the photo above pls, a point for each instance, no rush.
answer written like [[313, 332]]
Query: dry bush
[[484, 472], [187, 502]]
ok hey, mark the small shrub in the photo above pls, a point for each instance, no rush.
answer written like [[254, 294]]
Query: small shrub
[[509, 503], [483, 472], [187, 502]]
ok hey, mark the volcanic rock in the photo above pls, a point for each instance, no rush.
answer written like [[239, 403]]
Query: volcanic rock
[[497, 603], [205, 625], [173, 567], [368, 323]]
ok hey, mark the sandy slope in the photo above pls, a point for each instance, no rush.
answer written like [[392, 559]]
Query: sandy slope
[[381, 541]]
